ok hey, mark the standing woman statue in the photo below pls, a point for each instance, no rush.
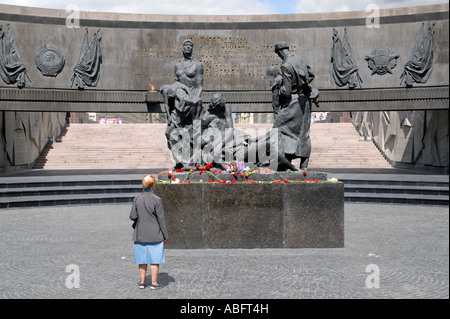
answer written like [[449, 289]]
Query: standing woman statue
[[183, 101], [190, 73]]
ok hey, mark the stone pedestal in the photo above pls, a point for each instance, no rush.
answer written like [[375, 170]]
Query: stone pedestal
[[260, 215]]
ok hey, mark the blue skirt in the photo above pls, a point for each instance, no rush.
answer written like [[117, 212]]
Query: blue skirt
[[149, 253]]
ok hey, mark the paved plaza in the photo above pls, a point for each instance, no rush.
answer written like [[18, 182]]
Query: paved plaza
[[391, 251]]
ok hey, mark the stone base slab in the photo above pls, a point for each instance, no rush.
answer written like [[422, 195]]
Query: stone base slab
[[261, 215]]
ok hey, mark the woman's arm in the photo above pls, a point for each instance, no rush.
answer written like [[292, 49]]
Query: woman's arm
[[161, 217]]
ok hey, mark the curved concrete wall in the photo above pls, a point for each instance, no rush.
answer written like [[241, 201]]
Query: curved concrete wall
[[408, 138], [142, 49]]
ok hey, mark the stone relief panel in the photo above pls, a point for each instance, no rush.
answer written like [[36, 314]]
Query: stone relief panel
[[345, 70], [419, 66], [87, 69], [49, 60], [233, 59], [381, 61], [12, 70]]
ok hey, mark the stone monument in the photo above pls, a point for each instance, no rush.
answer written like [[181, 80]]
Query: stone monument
[[289, 138], [231, 190]]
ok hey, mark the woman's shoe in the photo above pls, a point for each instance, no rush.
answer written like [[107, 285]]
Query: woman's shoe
[[141, 285], [154, 287]]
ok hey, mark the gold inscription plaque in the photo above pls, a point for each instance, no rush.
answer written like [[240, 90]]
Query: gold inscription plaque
[[229, 61]]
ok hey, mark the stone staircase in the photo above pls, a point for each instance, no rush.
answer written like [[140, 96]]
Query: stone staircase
[[114, 146], [338, 145], [334, 145], [144, 146], [48, 188]]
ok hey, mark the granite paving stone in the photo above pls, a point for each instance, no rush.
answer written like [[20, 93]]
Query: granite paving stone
[[409, 244]]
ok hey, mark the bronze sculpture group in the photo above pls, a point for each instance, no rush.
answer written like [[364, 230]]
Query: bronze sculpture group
[[197, 135]]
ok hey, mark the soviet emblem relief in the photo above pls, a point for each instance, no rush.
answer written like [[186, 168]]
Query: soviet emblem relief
[[381, 61], [49, 60]]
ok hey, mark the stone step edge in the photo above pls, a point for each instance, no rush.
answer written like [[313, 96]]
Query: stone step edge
[[381, 182], [37, 201], [135, 189], [104, 180]]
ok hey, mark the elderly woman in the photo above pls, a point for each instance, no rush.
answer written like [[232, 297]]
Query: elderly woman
[[150, 232]]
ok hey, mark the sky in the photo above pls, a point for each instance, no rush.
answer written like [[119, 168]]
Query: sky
[[217, 7]]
